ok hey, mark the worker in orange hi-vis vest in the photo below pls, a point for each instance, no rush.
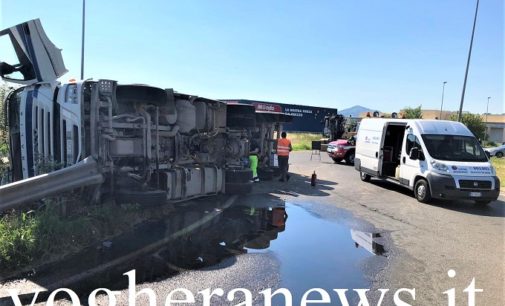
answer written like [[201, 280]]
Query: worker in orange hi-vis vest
[[283, 149]]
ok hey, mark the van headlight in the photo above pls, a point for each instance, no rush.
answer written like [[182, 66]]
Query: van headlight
[[439, 166]]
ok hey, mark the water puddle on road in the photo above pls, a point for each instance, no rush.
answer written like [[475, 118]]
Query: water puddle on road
[[315, 252], [296, 246]]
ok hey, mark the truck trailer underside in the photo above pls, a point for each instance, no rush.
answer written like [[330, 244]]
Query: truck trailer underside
[[149, 144]]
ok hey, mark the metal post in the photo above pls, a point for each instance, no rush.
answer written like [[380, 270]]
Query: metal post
[[468, 64], [82, 42], [442, 104], [487, 111]]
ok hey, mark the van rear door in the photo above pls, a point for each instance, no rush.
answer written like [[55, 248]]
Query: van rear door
[[27, 56], [368, 144]]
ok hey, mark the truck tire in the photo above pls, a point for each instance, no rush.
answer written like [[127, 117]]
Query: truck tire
[[129, 95], [349, 158], [265, 174], [238, 175], [422, 191], [337, 160], [144, 198], [238, 188], [364, 177], [482, 203], [241, 121]]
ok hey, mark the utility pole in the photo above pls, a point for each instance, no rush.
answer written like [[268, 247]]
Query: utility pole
[[487, 111], [442, 104], [468, 64], [82, 42]]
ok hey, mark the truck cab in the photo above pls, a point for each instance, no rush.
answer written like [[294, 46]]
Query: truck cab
[[150, 144]]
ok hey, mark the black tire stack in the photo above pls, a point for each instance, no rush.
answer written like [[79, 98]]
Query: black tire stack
[[265, 174], [238, 181]]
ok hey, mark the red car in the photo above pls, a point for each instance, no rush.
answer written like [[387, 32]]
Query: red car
[[342, 149]]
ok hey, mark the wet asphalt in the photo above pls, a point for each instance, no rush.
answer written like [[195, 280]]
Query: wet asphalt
[[342, 233]]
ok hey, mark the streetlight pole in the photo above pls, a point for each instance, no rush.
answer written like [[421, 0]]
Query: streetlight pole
[[442, 104], [487, 111], [82, 42], [468, 64]]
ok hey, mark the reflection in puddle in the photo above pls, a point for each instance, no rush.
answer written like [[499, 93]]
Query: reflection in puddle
[[369, 241], [309, 251], [316, 252]]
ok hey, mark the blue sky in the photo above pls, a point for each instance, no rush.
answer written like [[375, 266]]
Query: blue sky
[[380, 54]]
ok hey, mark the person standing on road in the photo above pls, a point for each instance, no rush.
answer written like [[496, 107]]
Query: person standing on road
[[283, 149], [253, 160]]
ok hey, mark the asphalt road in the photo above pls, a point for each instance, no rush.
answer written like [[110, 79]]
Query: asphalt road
[[428, 239], [422, 241]]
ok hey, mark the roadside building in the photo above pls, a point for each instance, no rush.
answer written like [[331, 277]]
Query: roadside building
[[495, 127], [435, 114], [495, 124], [305, 118]]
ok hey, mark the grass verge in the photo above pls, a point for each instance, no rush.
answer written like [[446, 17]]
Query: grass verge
[[499, 165], [303, 141], [28, 239]]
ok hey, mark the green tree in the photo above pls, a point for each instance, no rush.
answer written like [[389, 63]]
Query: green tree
[[4, 141], [473, 122], [412, 113], [4, 90]]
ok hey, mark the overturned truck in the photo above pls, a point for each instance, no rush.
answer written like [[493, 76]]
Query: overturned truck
[[136, 143]]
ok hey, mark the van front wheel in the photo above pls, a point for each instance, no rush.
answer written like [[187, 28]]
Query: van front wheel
[[364, 177], [422, 191]]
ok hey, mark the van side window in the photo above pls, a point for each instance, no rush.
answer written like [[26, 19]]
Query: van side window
[[412, 142]]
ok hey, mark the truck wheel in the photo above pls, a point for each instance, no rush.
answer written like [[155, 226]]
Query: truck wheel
[[364, 177], [238, 188], [482, 203], [422, 191], [265, 174], [238, 175], [241, 122], [144, 198], [240, 116], [337, 160], [349, 158], [499, 154]]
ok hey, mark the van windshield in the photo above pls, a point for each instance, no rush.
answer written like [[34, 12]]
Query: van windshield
[[454, 148]]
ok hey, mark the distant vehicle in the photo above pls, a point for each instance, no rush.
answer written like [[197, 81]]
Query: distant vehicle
[[341, 132], [342, 149], [496, 151], [434, 158]]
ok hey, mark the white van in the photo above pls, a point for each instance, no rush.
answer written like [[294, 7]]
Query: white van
[[434, 158]]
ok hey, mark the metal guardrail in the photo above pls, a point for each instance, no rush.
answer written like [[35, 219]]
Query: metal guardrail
[[82, 174]]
